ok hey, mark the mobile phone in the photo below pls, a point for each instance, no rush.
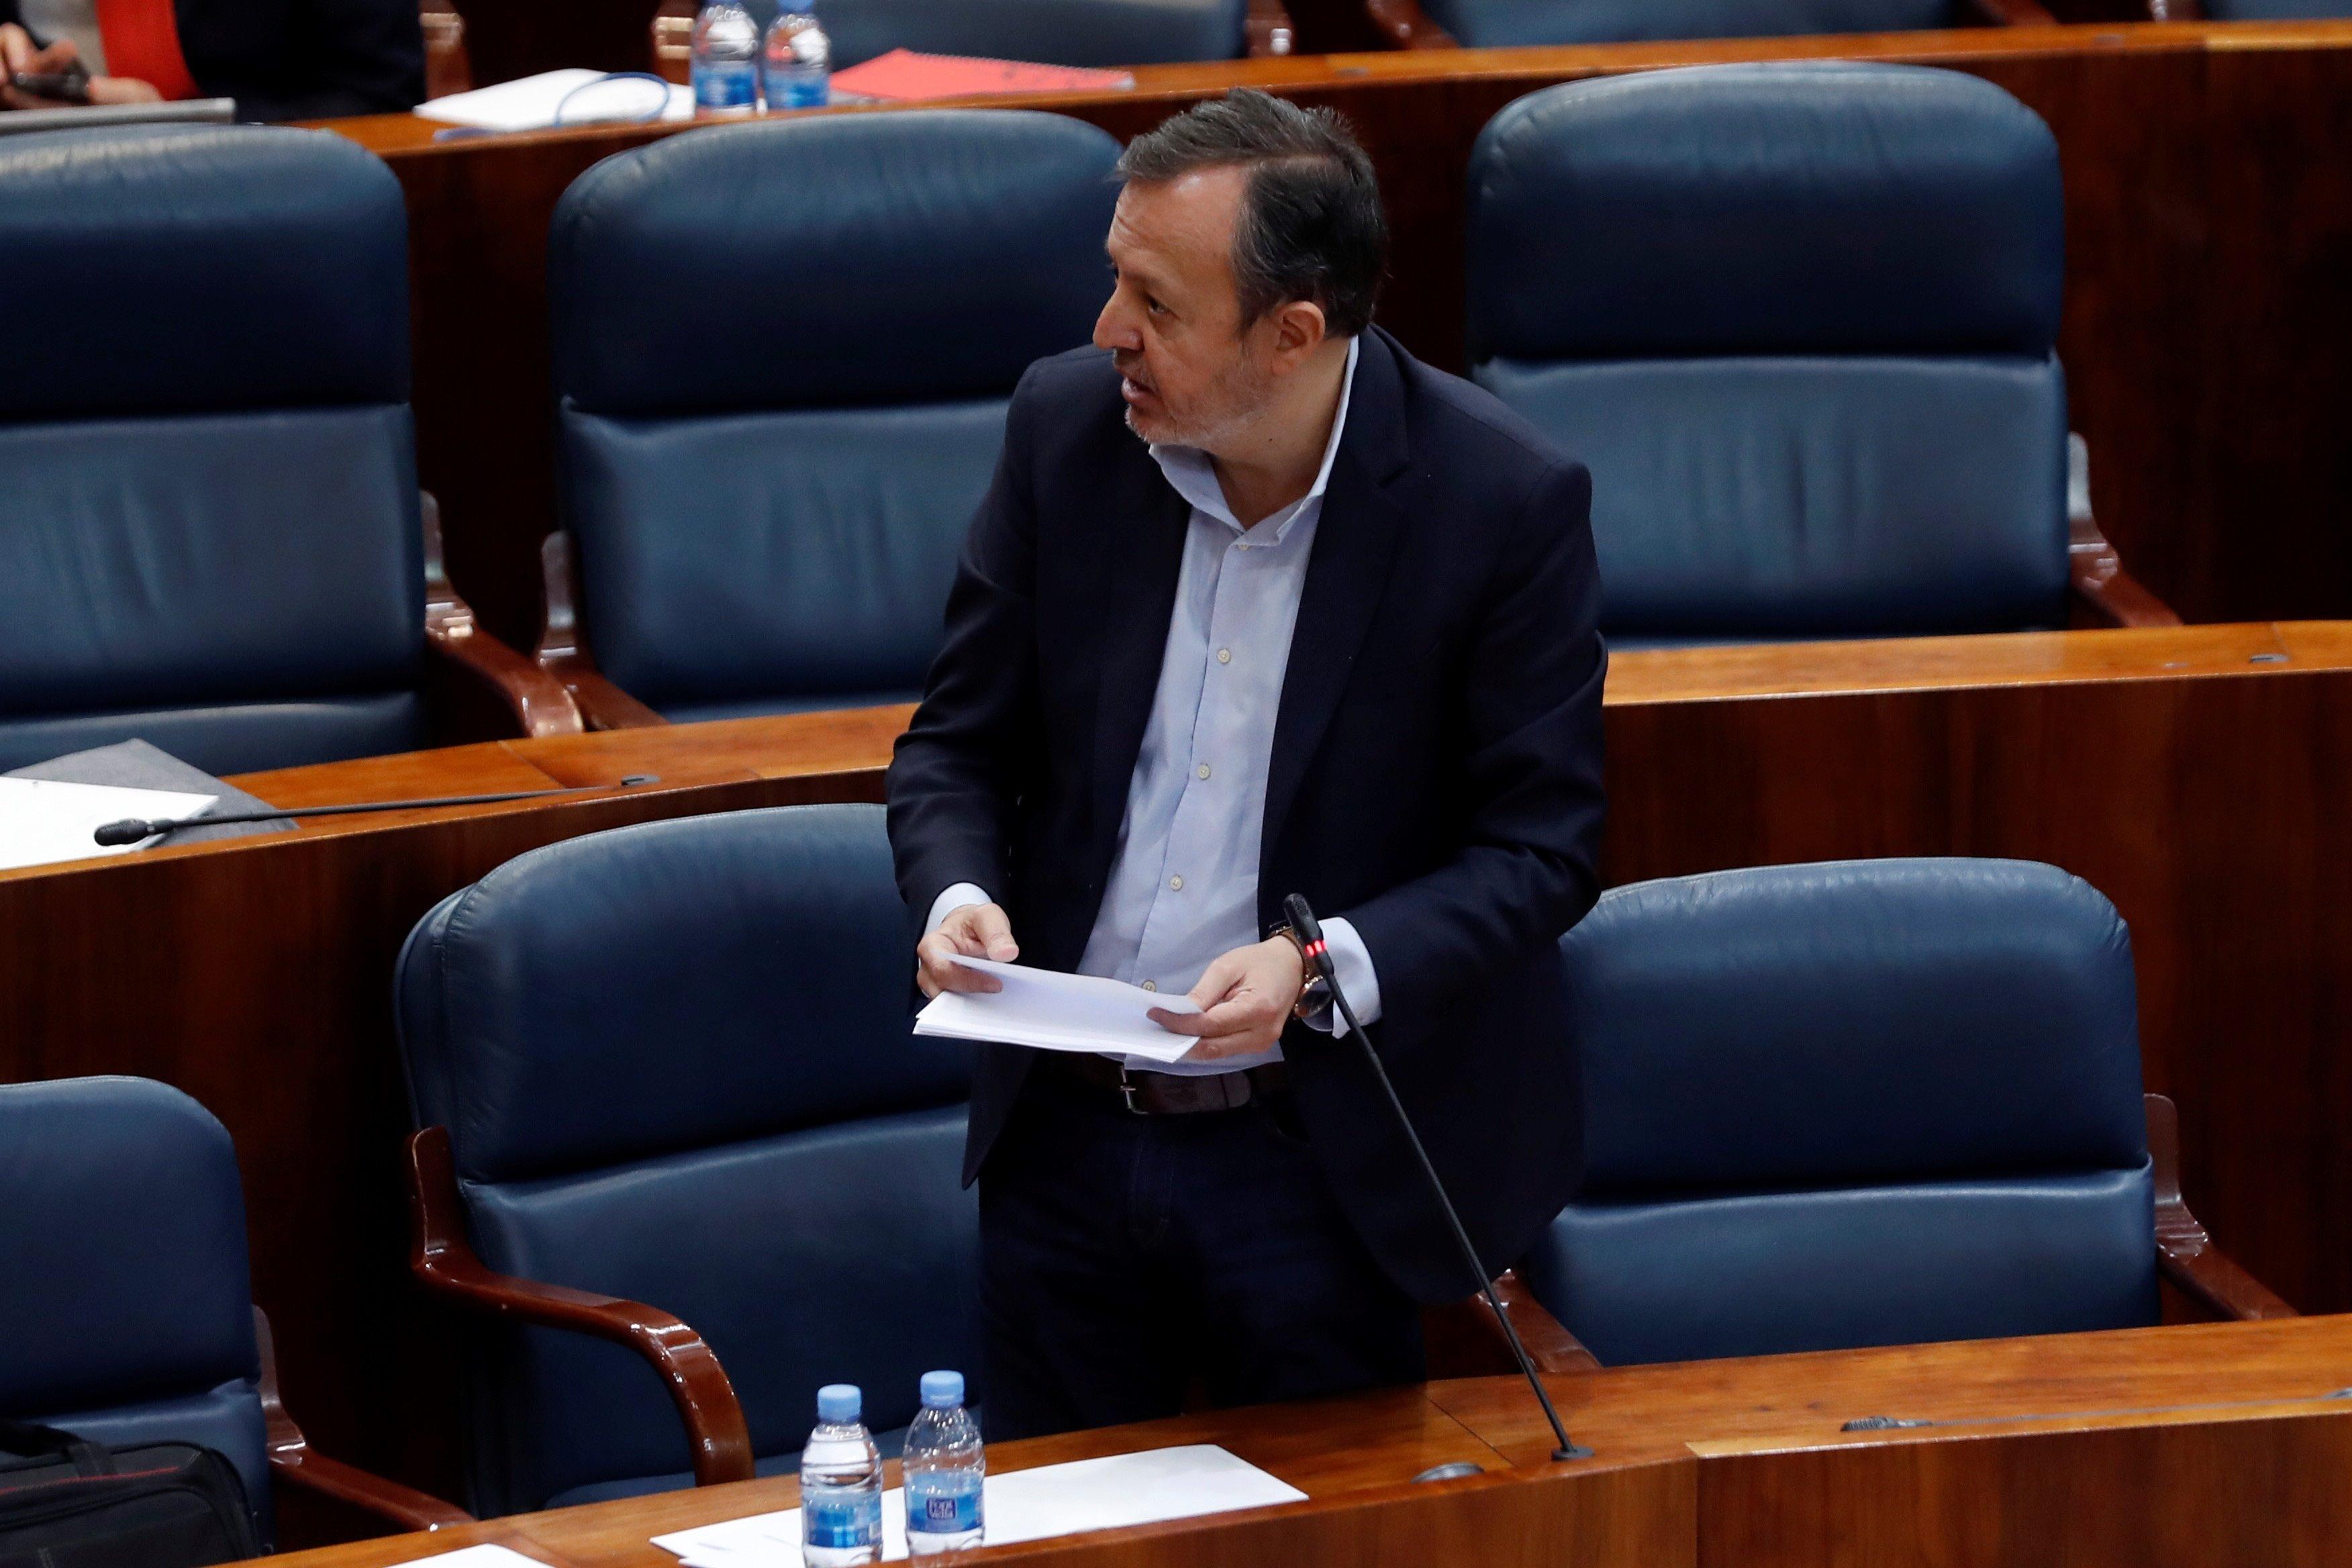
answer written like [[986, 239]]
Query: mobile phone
[[70, 85]]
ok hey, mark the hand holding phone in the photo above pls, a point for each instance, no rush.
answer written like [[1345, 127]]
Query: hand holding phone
[[70, 85]]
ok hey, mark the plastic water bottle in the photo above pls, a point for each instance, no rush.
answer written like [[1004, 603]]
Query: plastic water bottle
[[725, 60], [841, 1484], [797, 67], [944, 1465]]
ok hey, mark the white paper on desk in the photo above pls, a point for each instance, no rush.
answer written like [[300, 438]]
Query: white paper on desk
[[1027, 1505], [529, 103], [484, 1556], [43, 821], [1057, 1012]]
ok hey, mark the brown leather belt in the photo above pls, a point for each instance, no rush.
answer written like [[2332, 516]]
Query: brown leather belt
[[1168, 1093]]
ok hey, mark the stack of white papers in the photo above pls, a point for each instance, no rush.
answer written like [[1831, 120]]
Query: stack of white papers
[[1028, 1505], [1056, 1012], [43, 821], [582, 97]]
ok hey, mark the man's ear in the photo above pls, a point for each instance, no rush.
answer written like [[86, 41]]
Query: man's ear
[[1298, 331]]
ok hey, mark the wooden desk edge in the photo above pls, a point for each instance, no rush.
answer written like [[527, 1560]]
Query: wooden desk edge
[[410, 134], [855, 745]]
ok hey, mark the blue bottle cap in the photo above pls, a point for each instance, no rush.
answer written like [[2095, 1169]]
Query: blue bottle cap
[[839, 1402], [942, 1390]]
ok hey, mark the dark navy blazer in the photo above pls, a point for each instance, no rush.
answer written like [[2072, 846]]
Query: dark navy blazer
[[1435, 774]]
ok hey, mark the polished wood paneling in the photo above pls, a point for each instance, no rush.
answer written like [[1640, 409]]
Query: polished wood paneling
[[2206, 236], [2153, 1447], [2195, 775]]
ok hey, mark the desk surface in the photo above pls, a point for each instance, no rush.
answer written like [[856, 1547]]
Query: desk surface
[[2196, 776], [1660, 1419]]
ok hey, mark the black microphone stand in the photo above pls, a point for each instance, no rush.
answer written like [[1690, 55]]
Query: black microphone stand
[[1310, 937]]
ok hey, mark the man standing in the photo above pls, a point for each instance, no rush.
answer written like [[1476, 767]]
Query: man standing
[[1257, 604]]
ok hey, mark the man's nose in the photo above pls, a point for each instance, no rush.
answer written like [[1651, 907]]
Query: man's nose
[[1113, 330]]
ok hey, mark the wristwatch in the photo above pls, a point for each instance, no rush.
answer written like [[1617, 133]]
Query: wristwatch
[[1315, 994]]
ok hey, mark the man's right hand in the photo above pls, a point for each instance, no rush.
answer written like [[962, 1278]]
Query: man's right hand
[[975, 931]]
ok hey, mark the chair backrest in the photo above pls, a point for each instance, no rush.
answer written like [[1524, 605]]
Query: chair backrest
[[1100, 33], [676, 1065], [208, 533], [1503, 24], [1869, 1102], [784, 352], [124, 1302], [1798, 319]]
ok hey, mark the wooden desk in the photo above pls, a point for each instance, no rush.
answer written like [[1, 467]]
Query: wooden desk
[[2196, 775], [2206, 326], [2138, 1449]]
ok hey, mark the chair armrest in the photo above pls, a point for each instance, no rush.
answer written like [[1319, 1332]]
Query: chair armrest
[[293, 1460], [2185, 1254], [562, 652], [2176, 10], [2017, 13], [534, 698], [2099, 581], [1268, 30], [1464, 1341], [1407, 26], [444, 1260]]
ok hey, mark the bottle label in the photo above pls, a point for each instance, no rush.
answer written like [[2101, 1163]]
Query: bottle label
[[841, 1522], [731, 84], [944, 1505], [796, 87]]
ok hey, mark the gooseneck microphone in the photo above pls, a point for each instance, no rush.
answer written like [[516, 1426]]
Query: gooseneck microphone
[[1311, 939], [132, 829]]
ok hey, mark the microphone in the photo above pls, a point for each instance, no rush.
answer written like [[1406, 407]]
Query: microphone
[[1311, 939], [132, 829]]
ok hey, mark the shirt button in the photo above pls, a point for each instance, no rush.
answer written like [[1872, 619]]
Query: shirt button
[[1176, 884], [1224, 655], [1149, 985], [1203, 770]]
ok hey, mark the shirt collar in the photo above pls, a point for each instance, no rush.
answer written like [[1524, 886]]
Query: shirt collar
[[1193, 476]]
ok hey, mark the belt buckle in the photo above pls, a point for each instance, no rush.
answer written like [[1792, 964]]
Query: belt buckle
[[1127, 1088]]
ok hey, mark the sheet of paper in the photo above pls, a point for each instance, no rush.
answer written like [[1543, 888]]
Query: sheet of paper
[[530, 103], [477, 1557], [43, 821], [1028, 1505], [1056, 1012]]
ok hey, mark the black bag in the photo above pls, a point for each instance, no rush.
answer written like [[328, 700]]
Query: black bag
[[67, 1503]]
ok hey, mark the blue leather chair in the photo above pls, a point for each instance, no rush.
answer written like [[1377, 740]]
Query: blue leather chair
[[1872, 1102], [784, 352], [673, 1064], [210, 534], [123, 1301], [1504, 24], [1800, 321]]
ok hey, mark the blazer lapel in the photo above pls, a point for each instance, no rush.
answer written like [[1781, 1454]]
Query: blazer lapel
[[1355, 542], [1145, 519]]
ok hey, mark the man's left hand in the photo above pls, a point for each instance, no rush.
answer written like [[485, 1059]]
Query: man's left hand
[[1245, 998]]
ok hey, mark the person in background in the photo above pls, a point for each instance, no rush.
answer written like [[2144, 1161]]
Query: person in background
[[279, 60]]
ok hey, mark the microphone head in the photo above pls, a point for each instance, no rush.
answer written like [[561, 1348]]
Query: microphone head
[[130, 830], [1302, 920]]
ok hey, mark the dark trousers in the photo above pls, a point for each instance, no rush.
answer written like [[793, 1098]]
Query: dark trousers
[[1122, 1255]]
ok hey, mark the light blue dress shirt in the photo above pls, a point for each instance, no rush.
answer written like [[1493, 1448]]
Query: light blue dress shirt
[[1183, 884]]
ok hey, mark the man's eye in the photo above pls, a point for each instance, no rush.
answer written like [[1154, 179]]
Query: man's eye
[[1154, 306]]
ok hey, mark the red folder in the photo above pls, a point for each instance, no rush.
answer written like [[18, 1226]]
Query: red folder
[[903, 76]]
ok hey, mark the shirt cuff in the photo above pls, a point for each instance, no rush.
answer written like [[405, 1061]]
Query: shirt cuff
[[957, 897], [1353, 964]]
